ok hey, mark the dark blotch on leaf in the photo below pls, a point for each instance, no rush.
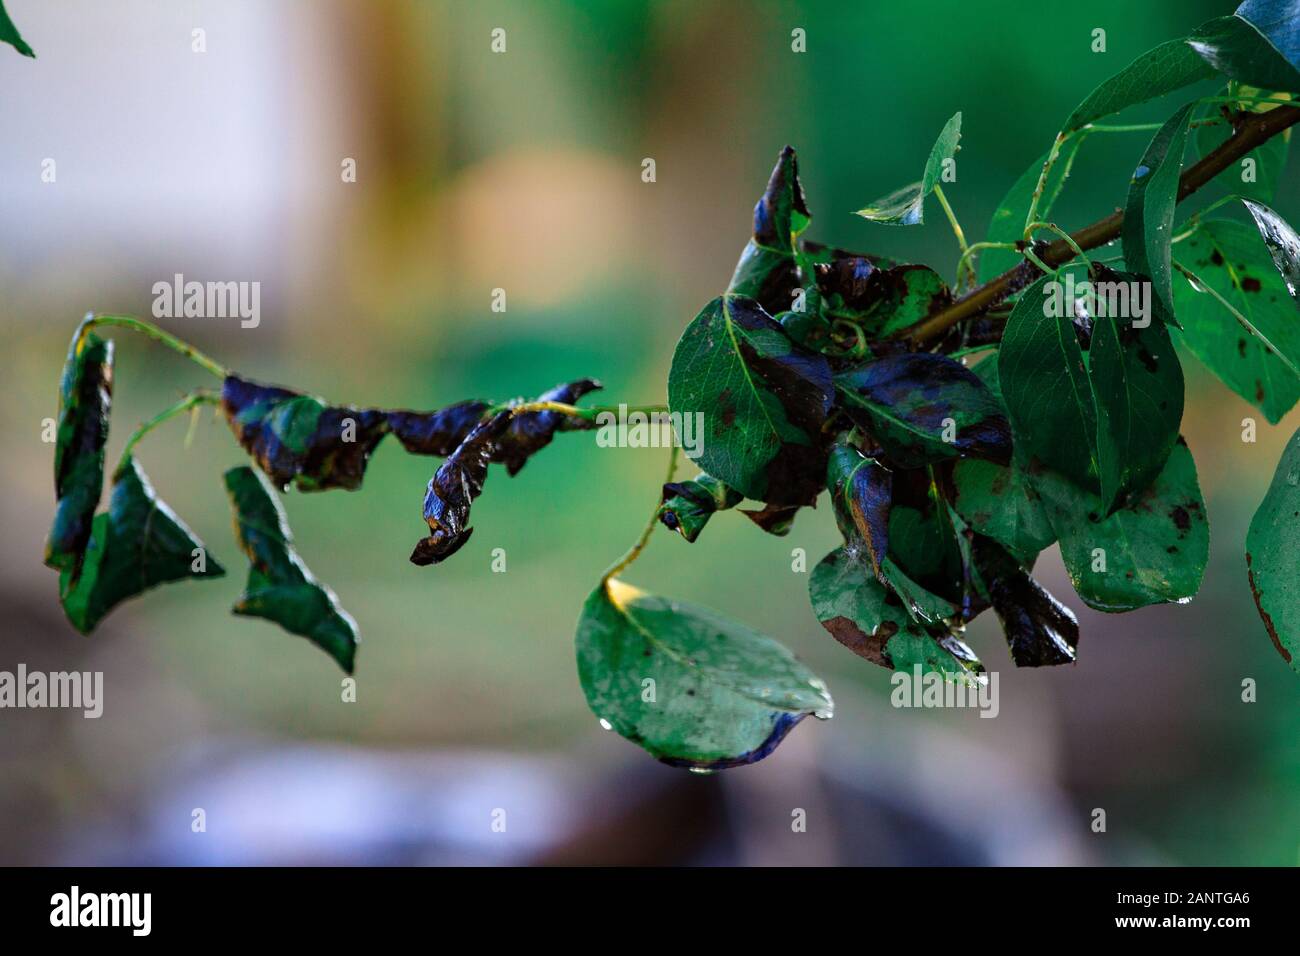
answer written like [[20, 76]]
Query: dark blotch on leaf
[[453, 489]]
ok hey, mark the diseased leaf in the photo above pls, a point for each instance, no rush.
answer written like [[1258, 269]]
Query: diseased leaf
[[1045, 385], [882, 300], [1152, 550], [279, 587], [1162, 69], [138, 544], [688, 505], [1040, 630], [298, 438], [530, 432], [1241, 50], [768, 270], [438, 432], [1271, 556], [763, 398], [1137, 384], [1149, 211], [453, 488], [1282, 242], [1000, 502], [923, 407], [906, 206], [871, 622], [774, 519], [1008, 222], [85, 401], [864, 489], [1230, 258], [1266, 161], [719, 694], [9, 34]]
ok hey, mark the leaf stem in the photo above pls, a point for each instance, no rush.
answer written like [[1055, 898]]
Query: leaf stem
[[1053, 227], [587, 414], [158, 335], [196, 398], [956, 229], [635, 551]]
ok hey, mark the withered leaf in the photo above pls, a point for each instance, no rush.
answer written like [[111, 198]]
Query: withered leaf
[[688, 505], [863, 488]]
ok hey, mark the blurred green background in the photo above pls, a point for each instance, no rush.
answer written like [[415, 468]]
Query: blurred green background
[[521, 171]]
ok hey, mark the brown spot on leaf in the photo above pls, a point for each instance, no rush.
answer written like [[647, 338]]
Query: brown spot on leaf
[[868, 646]]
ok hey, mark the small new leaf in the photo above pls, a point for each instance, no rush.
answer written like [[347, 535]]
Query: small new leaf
[[906, 206]]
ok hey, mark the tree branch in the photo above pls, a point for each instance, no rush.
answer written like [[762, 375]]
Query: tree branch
[[1253, 130]]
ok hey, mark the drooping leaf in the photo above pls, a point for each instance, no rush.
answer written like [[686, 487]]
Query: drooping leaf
[[763, 398], [1149, 211], [138, 544], [870, 621], [1162, 69], [1137, 385], [1045, 385], [883, 300], [768, 270], [906, 206], [438, 432], [864, 489], [1271, 548], [453, 488], [530, 432], [774, 519], [924, 407], [9, 34], [1230, 258], [690, 686], [298, 438], [1152, 550], [1040, 630], [280, 588], [1008, 222], [688, 505], [1255, 45], [1264, 163], [85, 401], [1282, 243]]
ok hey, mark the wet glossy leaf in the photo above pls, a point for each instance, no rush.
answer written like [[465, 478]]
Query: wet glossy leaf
[[1268, 159], [864, 488], [85, 401], [1000, 502], [924, 407], [9, 34], [453, 488], [690, 686], [138, 544], [906, 206], [1008, 222], [688, 505], [1152, 550], [1282, 242], [1149, 211], [279, 586], [1045, 385], [530, 432], [768, 270], [1230, 258], [1040, 630], [870, 621], [1271, 547], [438, 432], [1256, 45], [298, 438], [763, 398], [883, 300], [1137, 385], [1162, 69]]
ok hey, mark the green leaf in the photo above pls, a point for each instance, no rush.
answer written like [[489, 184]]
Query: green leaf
[[864, 489], [85, 401], [688, 505], [279, 587], [690, 686], [1268, 158], [999, 501], [763, 398], [453, 488], [1152, 550], [906, 206], [1137, 384], [9, 34], [867, 619], [1149, 211], [1282, 242], [882, 301], [298, 438], [138, 544], [768, 269], [1008, 222], [1245, 51], [923, 407], [1162, 69], [1230, 258], [1271, 556], [1045, 386]]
